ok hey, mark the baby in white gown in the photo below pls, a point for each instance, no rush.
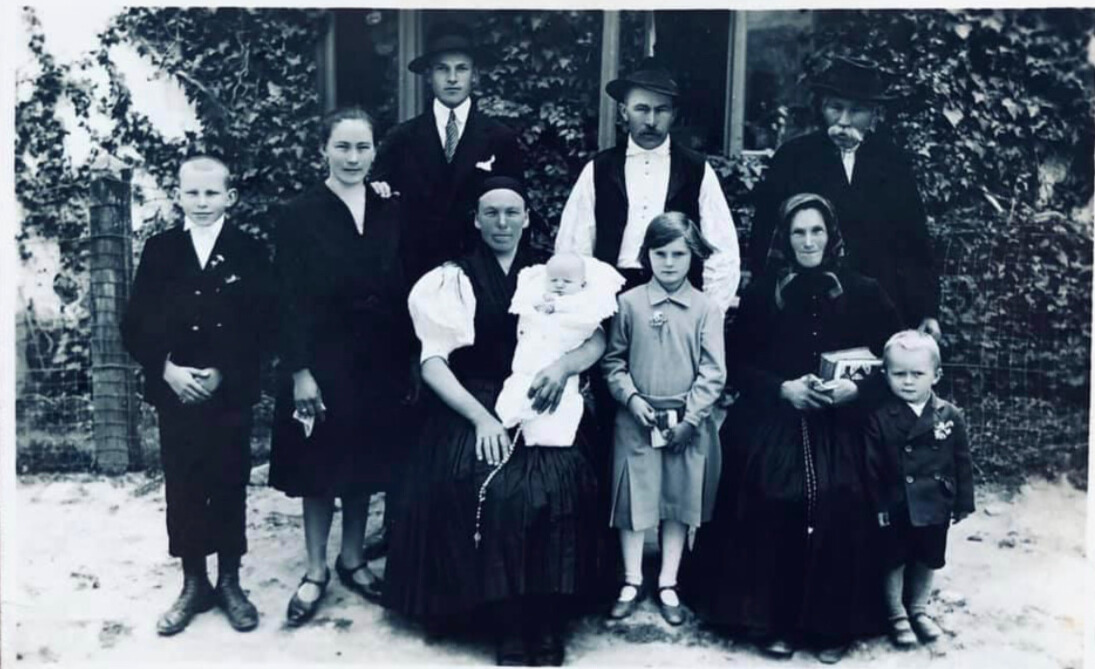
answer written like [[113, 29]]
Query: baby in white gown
[[560, 304]]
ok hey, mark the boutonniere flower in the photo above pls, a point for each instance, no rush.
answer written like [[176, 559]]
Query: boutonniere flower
[[232, 279], [943, 430], [486, 165], [658, 320], [216, 260]]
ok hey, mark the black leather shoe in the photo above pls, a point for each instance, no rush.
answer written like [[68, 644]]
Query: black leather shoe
[[832, 655], [548, 650], [621, 609], [376, 545], [778, 648], [300, 611], [241, 613], [196, 597], [372, 590], [510, 652], [674, 615]]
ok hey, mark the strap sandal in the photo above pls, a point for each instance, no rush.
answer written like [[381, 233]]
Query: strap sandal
[[623, 609], [674, 615], [300, 611], [371, 590]]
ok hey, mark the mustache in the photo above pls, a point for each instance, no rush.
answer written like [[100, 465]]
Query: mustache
[[836, 131]]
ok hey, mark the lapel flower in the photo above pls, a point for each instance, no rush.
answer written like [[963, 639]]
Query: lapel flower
[[217, 259], [486, 165], [658, 320], [943, 430], [232, 279]]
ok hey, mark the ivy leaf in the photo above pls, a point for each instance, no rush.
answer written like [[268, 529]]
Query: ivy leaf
[[953, 115]]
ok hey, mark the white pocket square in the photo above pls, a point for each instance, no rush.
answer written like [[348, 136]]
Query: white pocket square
[[486, 165]]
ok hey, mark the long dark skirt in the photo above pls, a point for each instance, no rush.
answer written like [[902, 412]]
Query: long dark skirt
[[538, 523], [774, 563]]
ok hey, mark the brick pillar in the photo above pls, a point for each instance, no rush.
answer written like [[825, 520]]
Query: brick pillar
[[113, 383]]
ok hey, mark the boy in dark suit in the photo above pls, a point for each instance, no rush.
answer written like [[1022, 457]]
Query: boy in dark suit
[[196, 323], [437, 160], [920, 480]]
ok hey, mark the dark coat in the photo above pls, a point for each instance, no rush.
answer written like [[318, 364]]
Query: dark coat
[[790, 547], [344, 318], [922, 460], [220, 316], [880, 213], [439, 197]]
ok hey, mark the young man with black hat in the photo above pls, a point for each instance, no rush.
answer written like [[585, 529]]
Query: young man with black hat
[[623, 188], [437, 160], [855, 164]]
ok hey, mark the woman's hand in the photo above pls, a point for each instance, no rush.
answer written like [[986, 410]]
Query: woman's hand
[[678, 437], [641, 410], [306, 396], [382, 189], [842, 391], [547, 387], [492, 442], [802, 396]]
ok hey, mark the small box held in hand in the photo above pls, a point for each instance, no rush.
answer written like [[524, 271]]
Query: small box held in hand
[[854, 364]]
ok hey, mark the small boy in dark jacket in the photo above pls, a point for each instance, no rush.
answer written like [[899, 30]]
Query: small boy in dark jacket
[[197, 322], [920, 480]]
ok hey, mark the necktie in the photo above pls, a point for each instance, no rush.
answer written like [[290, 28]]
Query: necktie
[[452, 135]]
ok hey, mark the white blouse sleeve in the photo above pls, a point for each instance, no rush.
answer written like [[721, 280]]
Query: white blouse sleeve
[[442, 306]]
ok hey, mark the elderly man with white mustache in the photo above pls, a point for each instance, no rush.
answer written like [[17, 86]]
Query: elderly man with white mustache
[[853, 162]]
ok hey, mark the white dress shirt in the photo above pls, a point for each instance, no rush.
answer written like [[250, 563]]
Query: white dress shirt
[[203, 237], [647, 181], [441, 118], [847, 156]]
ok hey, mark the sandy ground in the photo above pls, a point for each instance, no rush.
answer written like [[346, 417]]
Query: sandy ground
[[92, 574]]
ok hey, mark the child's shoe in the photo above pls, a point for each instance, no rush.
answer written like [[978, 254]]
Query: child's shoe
[[196, 597], [925, 627], [901, 633], [673, 614], [623, 608]]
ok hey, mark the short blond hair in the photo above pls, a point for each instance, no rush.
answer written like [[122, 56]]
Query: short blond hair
[[914, 340]]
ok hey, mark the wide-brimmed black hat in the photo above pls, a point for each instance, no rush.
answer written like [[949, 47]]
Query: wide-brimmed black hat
[[445, 37], [650, 75], [855, 78]]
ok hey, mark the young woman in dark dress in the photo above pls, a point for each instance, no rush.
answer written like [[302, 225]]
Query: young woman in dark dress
[[514, 560], [344, 356], [788, 555]]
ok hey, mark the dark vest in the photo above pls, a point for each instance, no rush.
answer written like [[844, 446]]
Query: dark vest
[[686, 168]]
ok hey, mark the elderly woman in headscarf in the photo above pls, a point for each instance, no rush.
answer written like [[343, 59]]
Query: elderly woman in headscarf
[[788, 556]]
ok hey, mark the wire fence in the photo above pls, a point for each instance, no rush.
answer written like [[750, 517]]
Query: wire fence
[[1016, 354]]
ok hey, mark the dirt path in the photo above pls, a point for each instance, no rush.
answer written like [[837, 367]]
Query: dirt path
[[90, 562]]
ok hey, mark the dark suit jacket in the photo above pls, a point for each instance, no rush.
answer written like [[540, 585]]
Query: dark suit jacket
[[439, 197], [880, 214], [220, 316], [922, 460]]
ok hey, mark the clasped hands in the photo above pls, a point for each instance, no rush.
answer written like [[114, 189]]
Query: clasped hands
[[808, 392], [191, 384], [676, 437]]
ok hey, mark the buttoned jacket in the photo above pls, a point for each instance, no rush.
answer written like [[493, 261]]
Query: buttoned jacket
[[923, 460]]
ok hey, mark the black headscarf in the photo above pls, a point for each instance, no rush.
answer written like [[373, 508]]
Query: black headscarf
[[781, 260]]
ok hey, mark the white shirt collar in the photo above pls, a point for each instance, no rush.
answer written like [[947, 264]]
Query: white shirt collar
[[203, 230], [441, 112], [918, 407], [634, 149]]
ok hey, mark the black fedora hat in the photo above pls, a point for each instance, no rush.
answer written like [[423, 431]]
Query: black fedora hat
[[854, 78], [445, 37], [649, 75]]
